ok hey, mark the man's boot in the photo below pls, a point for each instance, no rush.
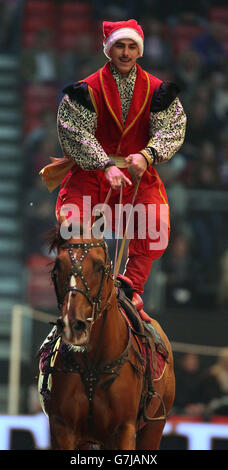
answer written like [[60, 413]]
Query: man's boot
[[138, 303], [127, 285]]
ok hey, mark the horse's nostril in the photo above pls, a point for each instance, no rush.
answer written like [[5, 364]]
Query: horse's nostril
[[79, 325]]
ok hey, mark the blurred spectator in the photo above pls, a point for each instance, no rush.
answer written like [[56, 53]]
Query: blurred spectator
[[116, 11], [182, 272], [223, 158], [205, 156], [97, 61], [188, 12], [205, 176], [205, 170], [157, 51], [40, 62], [209, 45], [206, 221], [207, 153], [213, 386], [172, 176], [207, 226], [40, 144], [39, 217], [220, 104], [72, 60], [188, 374], [10, 13], [223, 281], [46, 128], [45, 150], [201, 123], [187, 74]]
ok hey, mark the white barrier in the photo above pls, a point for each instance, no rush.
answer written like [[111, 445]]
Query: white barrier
[[199, 434], [37, 425]]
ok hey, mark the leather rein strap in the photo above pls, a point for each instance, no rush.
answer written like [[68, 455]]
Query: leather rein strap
[[120, 255]]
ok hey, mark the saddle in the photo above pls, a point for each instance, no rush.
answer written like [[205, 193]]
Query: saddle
[[144, 329]]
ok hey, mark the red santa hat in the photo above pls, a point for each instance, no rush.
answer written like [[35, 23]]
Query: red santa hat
[[115, 31]]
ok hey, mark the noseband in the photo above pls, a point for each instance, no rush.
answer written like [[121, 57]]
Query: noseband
[[77, 271]]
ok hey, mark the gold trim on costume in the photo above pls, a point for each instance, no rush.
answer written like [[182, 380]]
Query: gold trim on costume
[[141, 109], [92, 97], [108, 104]]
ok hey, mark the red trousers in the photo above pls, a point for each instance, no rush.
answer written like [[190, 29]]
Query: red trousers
[[145, 246]]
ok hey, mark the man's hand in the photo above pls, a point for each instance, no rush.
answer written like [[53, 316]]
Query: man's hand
[[137, 165], [116, 177]]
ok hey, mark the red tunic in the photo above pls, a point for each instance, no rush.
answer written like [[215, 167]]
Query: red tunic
[[120, 140]]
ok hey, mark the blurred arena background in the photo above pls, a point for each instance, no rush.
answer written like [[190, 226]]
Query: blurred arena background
[[45, 45]]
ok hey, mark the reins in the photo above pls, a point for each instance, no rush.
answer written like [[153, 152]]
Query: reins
[[118, 257], [122, 246]]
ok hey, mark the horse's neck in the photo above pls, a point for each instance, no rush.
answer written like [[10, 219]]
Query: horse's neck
[[110, 334]]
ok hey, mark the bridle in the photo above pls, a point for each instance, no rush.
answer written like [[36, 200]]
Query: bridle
[[77, 271], [90, 375]]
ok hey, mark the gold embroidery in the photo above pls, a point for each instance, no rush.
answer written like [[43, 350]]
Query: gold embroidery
[[167, 131]]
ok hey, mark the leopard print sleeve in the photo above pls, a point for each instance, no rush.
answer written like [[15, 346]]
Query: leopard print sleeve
[[167, 132], [76, 126]]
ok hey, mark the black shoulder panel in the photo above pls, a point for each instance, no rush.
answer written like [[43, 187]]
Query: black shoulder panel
[[164, 96], [79, 92]]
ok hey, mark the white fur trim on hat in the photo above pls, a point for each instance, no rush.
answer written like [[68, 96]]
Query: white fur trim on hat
[[123, 33]]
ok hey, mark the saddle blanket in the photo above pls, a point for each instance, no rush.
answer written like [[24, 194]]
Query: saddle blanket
[[160, 365]]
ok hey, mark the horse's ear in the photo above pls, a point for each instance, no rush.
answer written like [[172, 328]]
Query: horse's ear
[[99, 225]]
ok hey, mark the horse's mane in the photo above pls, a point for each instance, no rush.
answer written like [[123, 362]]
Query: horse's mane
[[53, 238]]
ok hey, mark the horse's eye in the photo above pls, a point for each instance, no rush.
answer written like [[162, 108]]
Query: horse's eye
[[57, 266], [98, 266]]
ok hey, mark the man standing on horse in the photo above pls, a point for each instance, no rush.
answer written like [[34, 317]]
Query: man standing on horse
[[114, 127]]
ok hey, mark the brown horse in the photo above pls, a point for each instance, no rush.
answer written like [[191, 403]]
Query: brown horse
[[95, 389]]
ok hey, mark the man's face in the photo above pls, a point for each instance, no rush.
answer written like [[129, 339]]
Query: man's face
[[124, 54]]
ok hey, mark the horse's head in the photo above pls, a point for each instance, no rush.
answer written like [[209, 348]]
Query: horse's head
[[81, 275]]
